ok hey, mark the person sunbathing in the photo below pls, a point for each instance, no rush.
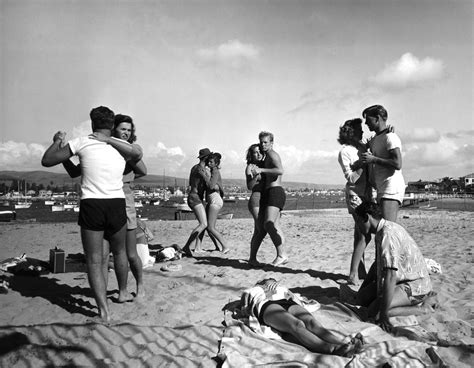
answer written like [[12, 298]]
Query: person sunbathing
[[276, 306]]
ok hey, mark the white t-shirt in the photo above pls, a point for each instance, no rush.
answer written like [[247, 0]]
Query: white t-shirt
[[388, 181], [102, 167]]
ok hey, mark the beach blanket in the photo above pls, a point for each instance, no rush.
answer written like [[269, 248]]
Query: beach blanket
[[242, 347]]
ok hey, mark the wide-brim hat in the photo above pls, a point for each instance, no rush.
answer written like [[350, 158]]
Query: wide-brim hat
[[204, 152]]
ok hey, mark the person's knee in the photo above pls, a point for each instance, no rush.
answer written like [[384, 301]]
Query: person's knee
[[311, 324], [269, 226], [297, 325]]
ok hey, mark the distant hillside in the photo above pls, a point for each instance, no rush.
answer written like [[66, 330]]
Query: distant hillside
[[58, 179]]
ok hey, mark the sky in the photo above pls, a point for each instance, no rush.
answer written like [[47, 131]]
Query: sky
[[215, 73]]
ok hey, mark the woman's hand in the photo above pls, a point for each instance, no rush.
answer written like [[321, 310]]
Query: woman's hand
[[256, 170], [99, 136], [368, 158]]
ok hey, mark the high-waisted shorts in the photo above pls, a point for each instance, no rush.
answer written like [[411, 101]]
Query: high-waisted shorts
[[215, 199], [273, 197], [130, 207], [193, 200]]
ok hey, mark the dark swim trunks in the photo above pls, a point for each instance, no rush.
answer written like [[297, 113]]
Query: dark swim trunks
[[284, 303], [274, 197], [108, 215], [193, 200]]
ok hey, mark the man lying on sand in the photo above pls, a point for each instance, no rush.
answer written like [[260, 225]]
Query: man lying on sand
[[398, 282], [275, 306]]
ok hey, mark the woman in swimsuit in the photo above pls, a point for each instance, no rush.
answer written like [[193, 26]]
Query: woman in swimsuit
[[254, 182], [358, 189], [214, 194]]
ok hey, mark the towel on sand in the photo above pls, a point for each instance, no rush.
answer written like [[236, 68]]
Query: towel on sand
[[241, 347]]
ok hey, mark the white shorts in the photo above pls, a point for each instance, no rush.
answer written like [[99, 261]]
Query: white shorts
[[215, 199]]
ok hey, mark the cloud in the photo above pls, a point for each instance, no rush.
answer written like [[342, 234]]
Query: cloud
[[420, 135], [409, 71], [461, 134], [15, 155], [232, 54], [159, 150]]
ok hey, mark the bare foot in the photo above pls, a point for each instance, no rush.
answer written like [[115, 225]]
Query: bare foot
[[124, 298], [187, 251], [255, 263], [104, 316], [140, 293], [280, 260]]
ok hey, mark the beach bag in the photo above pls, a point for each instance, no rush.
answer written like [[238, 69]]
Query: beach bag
[[144, 229]]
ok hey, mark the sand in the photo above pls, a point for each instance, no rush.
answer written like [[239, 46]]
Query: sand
[[49, 320]]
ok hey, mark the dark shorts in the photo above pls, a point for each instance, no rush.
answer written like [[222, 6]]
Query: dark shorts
[[273, 197], [414, 299], [284, 303], [107, 215], [194, 200]]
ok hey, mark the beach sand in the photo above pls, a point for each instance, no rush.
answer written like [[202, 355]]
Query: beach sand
[[50, 320]]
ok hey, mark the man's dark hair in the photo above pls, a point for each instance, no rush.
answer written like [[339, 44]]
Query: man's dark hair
[[102, 118], [368, 208], [374, 111], [119, 118]]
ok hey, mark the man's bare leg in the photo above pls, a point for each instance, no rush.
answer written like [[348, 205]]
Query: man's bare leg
[[92, 242]]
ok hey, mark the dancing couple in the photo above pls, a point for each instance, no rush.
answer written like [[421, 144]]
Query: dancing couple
[[263, 173], [205, 181]]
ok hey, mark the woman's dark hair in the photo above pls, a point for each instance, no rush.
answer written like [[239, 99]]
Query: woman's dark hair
[[347, 133], [102, 118], [216, 156], [250, 152], [119, 119], [375, 110]]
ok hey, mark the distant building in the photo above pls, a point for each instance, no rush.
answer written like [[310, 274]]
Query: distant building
[[469, 180]]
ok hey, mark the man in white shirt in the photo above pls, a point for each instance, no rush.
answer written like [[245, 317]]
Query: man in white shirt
[[385, 162], [102, 207]]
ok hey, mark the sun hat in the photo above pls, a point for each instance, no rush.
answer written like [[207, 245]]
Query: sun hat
[[204, 152]]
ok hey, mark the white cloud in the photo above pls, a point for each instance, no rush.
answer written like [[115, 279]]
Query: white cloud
[[420, 135], [232, 54], [294, 158], [81, 130], [409, 71], [159, 150], [15, 155]]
